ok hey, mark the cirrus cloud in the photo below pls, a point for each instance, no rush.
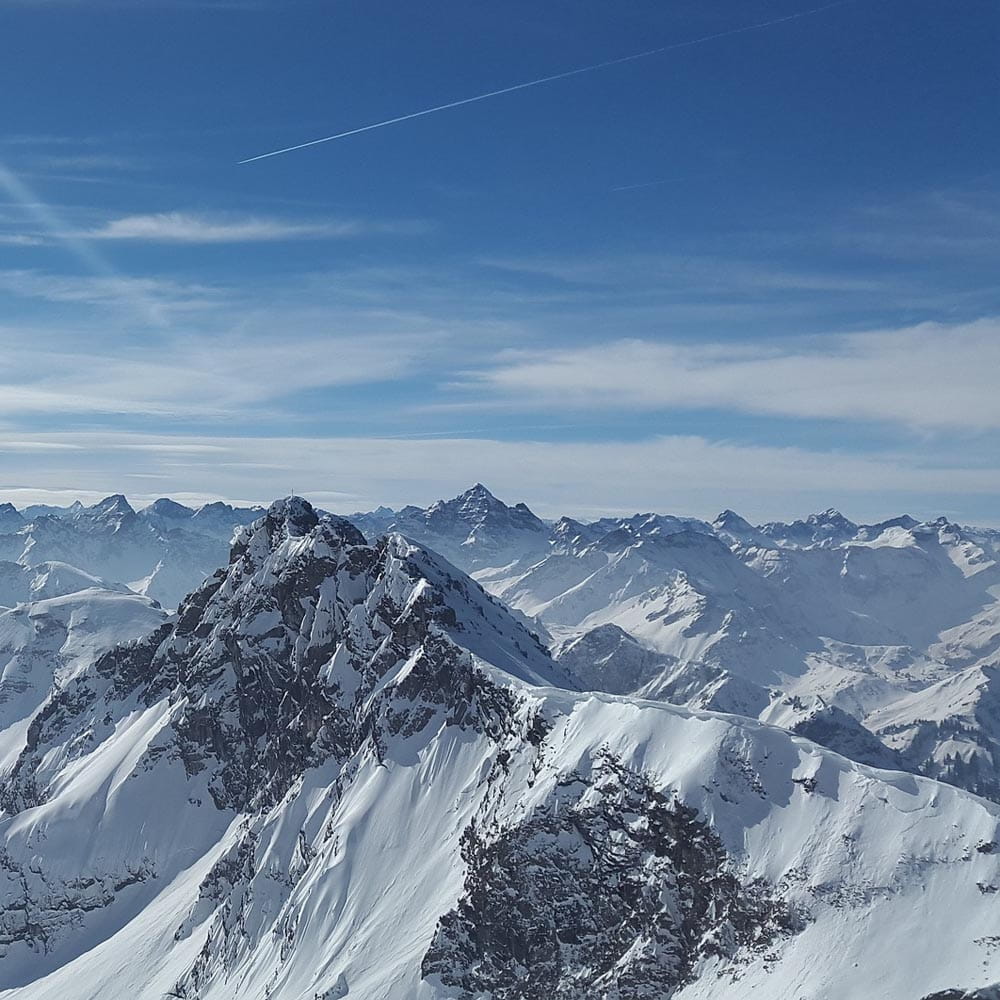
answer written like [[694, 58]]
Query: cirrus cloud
[[931, 375], [183, 227], [193, 227]]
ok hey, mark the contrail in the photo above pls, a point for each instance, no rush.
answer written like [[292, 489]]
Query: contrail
[[556, 76], [644, 184]]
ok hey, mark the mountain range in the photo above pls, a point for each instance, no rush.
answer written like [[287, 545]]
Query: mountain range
[[462, 752], [161, 551], [816, 619]]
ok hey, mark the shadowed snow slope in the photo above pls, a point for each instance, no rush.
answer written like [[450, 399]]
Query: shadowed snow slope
[[342, 770]]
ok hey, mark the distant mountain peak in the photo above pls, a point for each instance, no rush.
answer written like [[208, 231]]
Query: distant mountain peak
[[215, 505], [729, 520], [475, 500], [114, 504], [830, 516], [165, 507]]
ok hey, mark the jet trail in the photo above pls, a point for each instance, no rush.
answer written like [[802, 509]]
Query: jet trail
[[556, 76], [644, 184]]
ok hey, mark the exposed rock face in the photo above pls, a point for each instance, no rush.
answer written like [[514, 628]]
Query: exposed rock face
[[607, 658], [277, 661], [39, 912], [612, 889]]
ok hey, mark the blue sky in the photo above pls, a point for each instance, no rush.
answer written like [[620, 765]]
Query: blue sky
[[758, 272]]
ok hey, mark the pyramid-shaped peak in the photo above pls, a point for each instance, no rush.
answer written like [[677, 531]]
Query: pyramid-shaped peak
[[477, 492], [474, 502], [729, 520], [114, 504]]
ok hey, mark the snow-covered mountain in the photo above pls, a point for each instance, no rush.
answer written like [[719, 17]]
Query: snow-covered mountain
[[163, 551], [343, 770], [949, 730], [474, 530], [46, 641], [820, 623]]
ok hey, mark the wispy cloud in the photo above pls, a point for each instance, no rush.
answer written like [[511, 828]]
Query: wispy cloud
[[21, 240], [933, 225], [86, 161], [185, 227], [926, 376], [162, 295], [214, 374]]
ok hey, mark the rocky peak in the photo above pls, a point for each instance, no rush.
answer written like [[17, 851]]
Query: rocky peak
[[828, 526], [904, 522], [291, 517], [110, 513], [114, 504], [111, 516], [219, 520], [477, 493], [215, 507], [730, 521], [569, 535], [287, 656], [474, 529], [477, 505], [831, 517]]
